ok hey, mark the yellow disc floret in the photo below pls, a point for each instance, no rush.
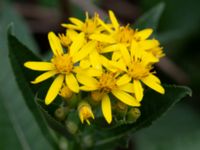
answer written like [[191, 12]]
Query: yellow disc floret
[[137, 70], [63, 63], [107, 82]]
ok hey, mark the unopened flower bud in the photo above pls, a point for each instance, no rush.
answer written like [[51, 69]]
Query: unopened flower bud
[[85, 112], [96, 96], [60, 114], [71, 127], [132, 115], [65, 92]]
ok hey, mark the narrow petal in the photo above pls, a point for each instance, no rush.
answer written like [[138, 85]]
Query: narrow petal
[[138, 90], [76, 21], [54, 89], [71, 26], [87, 48], [125, 54], [153, 84], [91, 72], [104, 25], [148, 44], [154, 78], [116, 55], [143, 34], [110, 48], [123, 80], [86, 88], [127, 88], [72, 34], [72, 83], [102, 38], [107, 64], [84, 63], [95, 60], [39, 66], [55, 44], [87, 81], [77, 44], [113, 20], [106, 108], [44, 76], [125, 98], [134, 48]]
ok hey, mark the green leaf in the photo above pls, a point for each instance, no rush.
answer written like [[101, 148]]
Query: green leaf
[[177, 130], [151, 18], [153, 106], [18, 128], [19, 54]]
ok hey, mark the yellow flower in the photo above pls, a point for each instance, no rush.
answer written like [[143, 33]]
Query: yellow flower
[[85, 112], [66, 39], [88, 27], [108, 83], [137, 66], [63, 65]]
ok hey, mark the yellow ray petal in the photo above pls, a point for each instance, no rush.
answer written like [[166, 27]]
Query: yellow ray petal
[[85, 63], [44, 76], [116, 55], [127, 88], [107, 64], [91, 72], [95, 60], [72, 34], [39, 66], [72, 82], [138, 90], [110, 48], [76, 21], [84, 51], [143, 34], [125, 98], [54, 89], [153, 84], [123, 80], [125, 54], [120, 65], [102, 38], [154, 78], [106, 108], [104, 25], [86, 88], [113, 20], [77, 44], [71, 26], [87, 81], [148, 44], [55, 44], [133, 49]]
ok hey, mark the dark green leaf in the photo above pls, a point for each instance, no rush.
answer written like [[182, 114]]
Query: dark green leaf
[[19, 54], [151, 18], [153, 106], [18, 128]]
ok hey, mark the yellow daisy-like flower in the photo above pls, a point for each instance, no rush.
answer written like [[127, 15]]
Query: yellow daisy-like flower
[[137, 66], [90, 26], [108, 83], [119, 34], [63, 65], [66, 39]]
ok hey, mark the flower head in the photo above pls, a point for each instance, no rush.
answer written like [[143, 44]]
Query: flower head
[[85, 112], [62, 65]]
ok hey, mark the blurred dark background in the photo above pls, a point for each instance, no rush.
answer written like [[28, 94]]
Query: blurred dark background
[[179, 33]]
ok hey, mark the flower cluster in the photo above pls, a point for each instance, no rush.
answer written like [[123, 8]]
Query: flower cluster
[[110, 62]]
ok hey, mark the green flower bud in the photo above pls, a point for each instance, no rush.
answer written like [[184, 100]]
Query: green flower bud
[[71, 127], [132, 115]]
